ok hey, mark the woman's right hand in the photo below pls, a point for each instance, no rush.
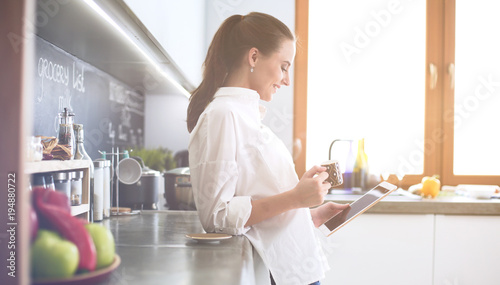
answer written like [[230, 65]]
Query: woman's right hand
[[312, 188]]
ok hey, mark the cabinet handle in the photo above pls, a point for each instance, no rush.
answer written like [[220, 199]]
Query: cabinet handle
[[451, 71], [434, 75]]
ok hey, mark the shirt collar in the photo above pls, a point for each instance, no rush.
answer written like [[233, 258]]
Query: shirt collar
[[237, 91], [243, 93]]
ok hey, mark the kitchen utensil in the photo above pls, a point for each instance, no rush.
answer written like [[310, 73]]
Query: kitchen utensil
[[129, 171], [178, 190]]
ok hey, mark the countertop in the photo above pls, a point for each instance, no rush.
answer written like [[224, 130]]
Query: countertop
[[154, 250], [403, 203]]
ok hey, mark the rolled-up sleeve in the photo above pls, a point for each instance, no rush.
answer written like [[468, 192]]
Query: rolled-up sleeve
[[214, 176], [214, 185]]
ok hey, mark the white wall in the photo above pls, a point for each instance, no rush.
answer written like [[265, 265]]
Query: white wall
[[185, 29], [165, 122]]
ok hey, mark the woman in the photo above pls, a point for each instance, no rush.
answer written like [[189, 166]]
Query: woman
[[243, 176]]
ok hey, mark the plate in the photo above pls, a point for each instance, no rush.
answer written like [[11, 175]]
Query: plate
[[84, 278], [209, 237]]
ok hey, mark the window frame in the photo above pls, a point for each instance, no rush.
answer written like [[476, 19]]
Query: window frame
[[439, 100]]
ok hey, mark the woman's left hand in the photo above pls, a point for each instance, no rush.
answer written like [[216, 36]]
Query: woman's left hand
[[324, 212]]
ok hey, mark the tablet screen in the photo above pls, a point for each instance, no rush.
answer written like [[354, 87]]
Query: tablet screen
[[357, 207]]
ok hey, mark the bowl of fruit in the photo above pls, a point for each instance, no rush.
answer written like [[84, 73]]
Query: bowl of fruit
[[66, 249]]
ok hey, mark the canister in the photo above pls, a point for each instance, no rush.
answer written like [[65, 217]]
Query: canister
[[62, 182], [98, 190], [106, 189], [76, 187]]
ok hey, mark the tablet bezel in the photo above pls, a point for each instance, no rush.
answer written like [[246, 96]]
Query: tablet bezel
[[385, 185]]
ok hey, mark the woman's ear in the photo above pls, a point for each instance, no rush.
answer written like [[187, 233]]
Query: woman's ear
[[253, 55]]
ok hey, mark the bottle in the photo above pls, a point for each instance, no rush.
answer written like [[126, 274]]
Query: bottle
[[66, 135], [349, 168], [81, 154], [360, 171]]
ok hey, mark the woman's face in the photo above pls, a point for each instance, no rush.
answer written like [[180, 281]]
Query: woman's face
[[272, 71]]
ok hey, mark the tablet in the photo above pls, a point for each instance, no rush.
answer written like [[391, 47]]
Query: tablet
[[357, 207]]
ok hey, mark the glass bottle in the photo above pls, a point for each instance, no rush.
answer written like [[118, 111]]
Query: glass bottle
[[66, 135], [349, 168], [360, 171], [81, 154]]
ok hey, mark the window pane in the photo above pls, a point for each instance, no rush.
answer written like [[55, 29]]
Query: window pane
[[477, 88], [367, 80]]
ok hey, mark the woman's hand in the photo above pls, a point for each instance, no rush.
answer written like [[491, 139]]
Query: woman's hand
[[309, 192], [312, 188], [324, 212]]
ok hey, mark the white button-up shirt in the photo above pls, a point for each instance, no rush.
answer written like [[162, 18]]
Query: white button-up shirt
[[233, 160]]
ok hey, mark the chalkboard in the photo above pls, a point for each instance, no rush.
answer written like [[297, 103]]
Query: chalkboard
[[112, 113]]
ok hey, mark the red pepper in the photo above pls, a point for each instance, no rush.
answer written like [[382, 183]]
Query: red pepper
[[52, 197], [70, 228]]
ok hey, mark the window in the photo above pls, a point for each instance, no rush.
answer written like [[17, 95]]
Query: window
[[385, 71]]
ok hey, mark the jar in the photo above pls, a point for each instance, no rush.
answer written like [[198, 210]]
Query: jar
[[98, 190], [62, 183], [38, 180], [49, 182], [35, 149], [76, 187]]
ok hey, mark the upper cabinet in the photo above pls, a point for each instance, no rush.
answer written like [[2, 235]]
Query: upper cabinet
[[109, 36], [180, 28]]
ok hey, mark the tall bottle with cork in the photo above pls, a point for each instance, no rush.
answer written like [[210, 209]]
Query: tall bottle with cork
[[81, 154], [360, 171]]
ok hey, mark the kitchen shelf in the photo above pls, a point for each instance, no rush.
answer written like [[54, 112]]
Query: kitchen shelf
[[55, 165], [47, 166], [80, 209]]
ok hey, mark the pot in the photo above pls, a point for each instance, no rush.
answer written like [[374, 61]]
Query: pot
[[178, 190]]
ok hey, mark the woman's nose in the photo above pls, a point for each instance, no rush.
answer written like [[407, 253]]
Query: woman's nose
[[286, 80]]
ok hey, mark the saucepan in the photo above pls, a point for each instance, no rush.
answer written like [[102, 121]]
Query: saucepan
[[178, 190]]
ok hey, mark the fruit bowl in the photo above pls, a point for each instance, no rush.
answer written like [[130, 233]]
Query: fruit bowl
[[83, 278]]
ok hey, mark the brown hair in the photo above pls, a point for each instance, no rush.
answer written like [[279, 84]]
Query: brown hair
[[235, 37]]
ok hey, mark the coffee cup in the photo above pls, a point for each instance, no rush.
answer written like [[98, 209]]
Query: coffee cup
[[334, 174]]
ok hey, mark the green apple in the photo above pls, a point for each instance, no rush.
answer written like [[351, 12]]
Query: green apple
[[104, 244], [53, 256]]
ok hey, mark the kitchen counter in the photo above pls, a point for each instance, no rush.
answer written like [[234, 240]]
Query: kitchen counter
[[154, 250], [412, 204]]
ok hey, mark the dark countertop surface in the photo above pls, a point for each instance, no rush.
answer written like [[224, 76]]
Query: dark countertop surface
[[154, 249]]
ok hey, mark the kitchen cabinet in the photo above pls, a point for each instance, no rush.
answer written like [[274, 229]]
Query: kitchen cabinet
[[381, 249], [109, 36], [467, 250], [81, 211]]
